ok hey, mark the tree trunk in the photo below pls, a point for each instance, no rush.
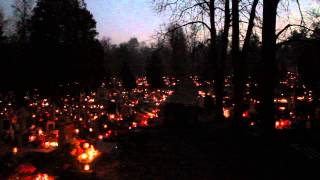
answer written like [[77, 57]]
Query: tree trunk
[[245, 47], [268, 78], [237, 65], [239, 60], [221, 65], [216, 62]]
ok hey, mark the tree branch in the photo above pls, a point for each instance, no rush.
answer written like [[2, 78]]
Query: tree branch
[[291, 25], [190, 23]]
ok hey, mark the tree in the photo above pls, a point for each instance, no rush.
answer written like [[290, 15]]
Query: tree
[[237, 65], [303, 52], [238, 58], [253, 57], [203, 14], [135, 60], [3, 54], [1, 26], [154, 70], [301, 47], [63, 37], [221, 61], [23, 13], [268, 80], [128, 78], [178, 44], [108, 55], [133, 44]]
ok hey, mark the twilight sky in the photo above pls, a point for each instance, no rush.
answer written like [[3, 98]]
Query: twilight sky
[[122, 19], [118, 19]]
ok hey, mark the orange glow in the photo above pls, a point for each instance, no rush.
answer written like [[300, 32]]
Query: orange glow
[[40, 132], [151, 115], [282, 124], [15, 150], [134, 124], [86, 145], [282, 100], [86, 167], [42, 177], [53, 144], [84, 156], [300, 98], [202, 93], [47, 144], [226, 112], [88, 155], [112, 116], [32, 138]]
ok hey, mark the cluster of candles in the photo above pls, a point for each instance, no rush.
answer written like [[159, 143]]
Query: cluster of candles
[[93, 116], [290, 92], [85, 153]]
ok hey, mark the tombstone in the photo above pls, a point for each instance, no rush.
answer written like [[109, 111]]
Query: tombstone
[[101, 94], [50, 126], [23, 116], [66, 133]]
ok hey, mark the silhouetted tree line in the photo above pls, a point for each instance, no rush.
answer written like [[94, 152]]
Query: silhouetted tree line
[[303, 51], [154, 69], [54, 44], [54, 47], [174, 55]]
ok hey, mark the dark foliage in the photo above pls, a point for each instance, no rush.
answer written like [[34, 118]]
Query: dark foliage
[[63, 45], [178, 44], [1, 27], [308, 64], [128, 79], [154, 70]]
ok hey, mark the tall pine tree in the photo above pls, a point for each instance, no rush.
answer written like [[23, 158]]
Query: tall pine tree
[[63, 37]]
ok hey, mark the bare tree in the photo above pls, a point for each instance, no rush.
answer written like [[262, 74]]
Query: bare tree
[[238, 57], [23, 12], [204, 14], [1, 25]]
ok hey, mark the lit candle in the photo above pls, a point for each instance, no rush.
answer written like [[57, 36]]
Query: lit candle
[[87, 167], [15, 150], [86, 145]]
